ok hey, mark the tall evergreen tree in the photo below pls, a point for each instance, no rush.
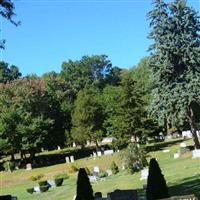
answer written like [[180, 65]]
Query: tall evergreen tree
[[175, 63], [156, 185], [84, 189]]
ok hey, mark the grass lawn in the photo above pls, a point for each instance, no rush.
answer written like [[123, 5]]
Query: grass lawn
[[182, 176]]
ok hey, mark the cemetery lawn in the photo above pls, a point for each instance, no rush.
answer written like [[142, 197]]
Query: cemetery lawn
[[182, 176]]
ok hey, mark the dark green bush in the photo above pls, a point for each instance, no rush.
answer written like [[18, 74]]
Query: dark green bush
[[44, 188], [43, 183], [62, 175], [30, 190], [58, 181], [114, 168], [103, 174]]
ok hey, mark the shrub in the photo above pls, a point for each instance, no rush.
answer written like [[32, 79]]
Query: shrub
[[156, 184], [114, 168], [9, 166], [62, 175], [30, 190], [134, 158], [103, 174], [58, 181], [84, 189], [73, 169], [43, 183], [44, 188], [36, 177]]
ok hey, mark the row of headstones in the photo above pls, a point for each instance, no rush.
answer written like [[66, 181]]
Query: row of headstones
[[106, 152], [51, 183], [69, 159], [195, 153]]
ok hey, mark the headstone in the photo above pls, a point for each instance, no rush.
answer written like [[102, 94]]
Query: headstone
[[37, 189], [88, 143], [123, 195], [166, 150], [13, 198], [74, 144], [28, 166], [58, 148], [92, 179], [51, 183], [72, 159], [42, 149], [196, 153], [176, 155], [108, 152], [96, 169], [183, 145], [144, 174], [185, 197], [94, 154], [67, 159], [99, 153], [109, 172]]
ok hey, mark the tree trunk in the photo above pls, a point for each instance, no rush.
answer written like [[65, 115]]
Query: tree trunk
[[193, 128], [12, 156], [97, 145]]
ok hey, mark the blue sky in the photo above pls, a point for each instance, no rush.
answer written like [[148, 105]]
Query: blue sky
[[53, 31]]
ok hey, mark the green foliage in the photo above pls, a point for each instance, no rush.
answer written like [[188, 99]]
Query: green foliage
[[134, 158], [84, 189], [9, 166], [64, 176], [30, 190], [58, 181], [87, 118], [114, 168], [44, 188], [43, 183], [36, 177], [175, 62], [102, 174], [156, 184]]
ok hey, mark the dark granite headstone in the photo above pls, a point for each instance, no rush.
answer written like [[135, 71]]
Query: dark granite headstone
[[123, 195]]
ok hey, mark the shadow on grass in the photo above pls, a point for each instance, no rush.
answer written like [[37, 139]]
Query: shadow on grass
[[160, 145], [187, 186]]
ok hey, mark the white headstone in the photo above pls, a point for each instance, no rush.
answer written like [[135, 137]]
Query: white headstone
[[28, 166], [144, 174], [74, 144], [109, 172], [108, 152], [58, 147], [99, 153], [166, 150], [72, 159], [67, 159], [176, 155], [51, 183], [196, 153], [37, 189], [96, 169], [94, 154], [92, 179], [183, 145]]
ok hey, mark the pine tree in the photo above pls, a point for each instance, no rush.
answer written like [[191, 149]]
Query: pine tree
[[156, 185], [175, 63], [84, 189]]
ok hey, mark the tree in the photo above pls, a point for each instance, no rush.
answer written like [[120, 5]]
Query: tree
[[8, 74], [87, 117], [156, 185], [84, 189], [7, 11], [175, 63], [89, 70]]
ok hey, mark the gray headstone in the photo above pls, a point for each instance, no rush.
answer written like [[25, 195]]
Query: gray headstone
[[72, 159], [28, 166], [67, 159], [144, 174], [196, 153], [108, 152], [123, 195]]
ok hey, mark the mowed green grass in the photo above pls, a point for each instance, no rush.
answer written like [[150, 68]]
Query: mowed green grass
[[182, 176]]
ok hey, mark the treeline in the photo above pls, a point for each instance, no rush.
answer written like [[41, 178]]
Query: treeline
[[88, 100]]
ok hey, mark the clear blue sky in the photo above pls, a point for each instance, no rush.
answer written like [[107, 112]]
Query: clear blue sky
[[53, 31]]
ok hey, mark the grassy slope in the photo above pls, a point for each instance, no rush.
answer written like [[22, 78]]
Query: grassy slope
[[182, 175]]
